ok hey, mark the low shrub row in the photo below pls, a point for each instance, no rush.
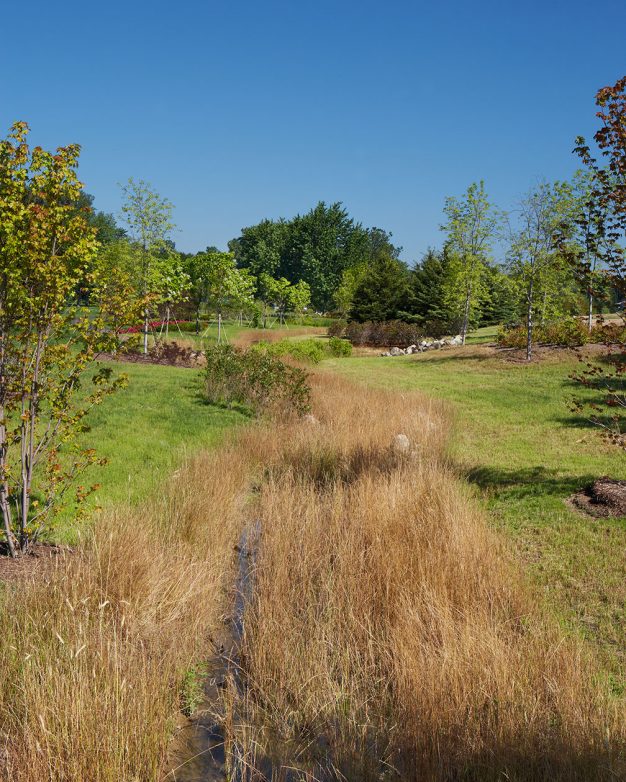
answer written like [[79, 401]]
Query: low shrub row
[[256, 380], [308, 350], [383, 334], [569, 332]]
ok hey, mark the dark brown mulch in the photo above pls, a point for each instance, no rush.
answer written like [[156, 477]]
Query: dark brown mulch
[[39, 558], [177, 357], [605, 497]]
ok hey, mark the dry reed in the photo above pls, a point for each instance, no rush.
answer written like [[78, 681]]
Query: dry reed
[[388, 634], [92, 654]]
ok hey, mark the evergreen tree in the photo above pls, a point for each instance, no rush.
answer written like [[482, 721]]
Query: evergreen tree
[[501, 301], [427, 283], [383, 292]]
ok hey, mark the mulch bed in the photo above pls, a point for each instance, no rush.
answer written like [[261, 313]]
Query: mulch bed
[[39, 558], [192, 360], [605, 497]]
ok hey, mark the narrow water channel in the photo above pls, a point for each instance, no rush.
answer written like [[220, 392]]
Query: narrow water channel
[[200, 754]]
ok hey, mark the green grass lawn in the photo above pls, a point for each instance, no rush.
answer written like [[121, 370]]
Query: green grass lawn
[[483, 335], [517, 442], [232, 330], [145, 430]]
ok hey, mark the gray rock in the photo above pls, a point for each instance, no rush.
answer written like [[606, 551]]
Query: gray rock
[[396, 352], [401, 444]]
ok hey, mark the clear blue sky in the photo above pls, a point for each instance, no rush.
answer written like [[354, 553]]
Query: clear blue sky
[[242, 110]]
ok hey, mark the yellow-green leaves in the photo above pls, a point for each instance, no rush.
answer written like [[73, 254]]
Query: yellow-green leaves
[[47, 337]]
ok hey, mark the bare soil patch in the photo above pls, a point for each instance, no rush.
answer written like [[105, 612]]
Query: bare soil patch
[[39, 558], [604, 498], [170, 354]]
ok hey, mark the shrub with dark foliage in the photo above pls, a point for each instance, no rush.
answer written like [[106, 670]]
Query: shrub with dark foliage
[[382, 334]]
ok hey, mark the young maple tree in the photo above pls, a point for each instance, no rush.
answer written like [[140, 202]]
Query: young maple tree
[[606, 202], [47, 341]]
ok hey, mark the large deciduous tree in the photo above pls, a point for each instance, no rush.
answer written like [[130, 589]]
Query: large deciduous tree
[[47, 341], [317, 247]]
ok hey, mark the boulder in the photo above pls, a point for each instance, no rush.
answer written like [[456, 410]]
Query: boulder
[[396, 352], [401, 444]]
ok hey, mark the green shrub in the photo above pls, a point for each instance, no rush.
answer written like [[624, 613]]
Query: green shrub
[[339, 348], [256, 379], [608, 332], [308, 350], [512, 337], [192, 688], [311, 320], [569, 332]]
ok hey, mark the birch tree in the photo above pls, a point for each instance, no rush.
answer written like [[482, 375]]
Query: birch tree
[[225, 285], [149, 220], [535, 262], [470, 229]]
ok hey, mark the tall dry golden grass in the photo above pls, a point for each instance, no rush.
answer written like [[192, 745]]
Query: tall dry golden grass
[[92, 654], [388, 634]]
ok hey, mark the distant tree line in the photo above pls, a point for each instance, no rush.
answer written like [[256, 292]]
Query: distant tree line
[[543, 260]]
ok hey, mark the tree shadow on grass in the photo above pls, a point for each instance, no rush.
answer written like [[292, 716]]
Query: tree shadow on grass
[[447, 359], [537, 481]]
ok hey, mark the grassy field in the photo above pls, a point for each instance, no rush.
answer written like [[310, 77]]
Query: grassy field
[[145, 431], [386, 619], [516, 441], [235, 333]]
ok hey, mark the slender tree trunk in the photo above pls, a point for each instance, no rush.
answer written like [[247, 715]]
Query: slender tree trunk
[[167, 322], [465, 324], [5, 506], [28, 451], [145, 333], [219, 328], [264, 315], [198, 319], [590, 312], [529, 323]]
